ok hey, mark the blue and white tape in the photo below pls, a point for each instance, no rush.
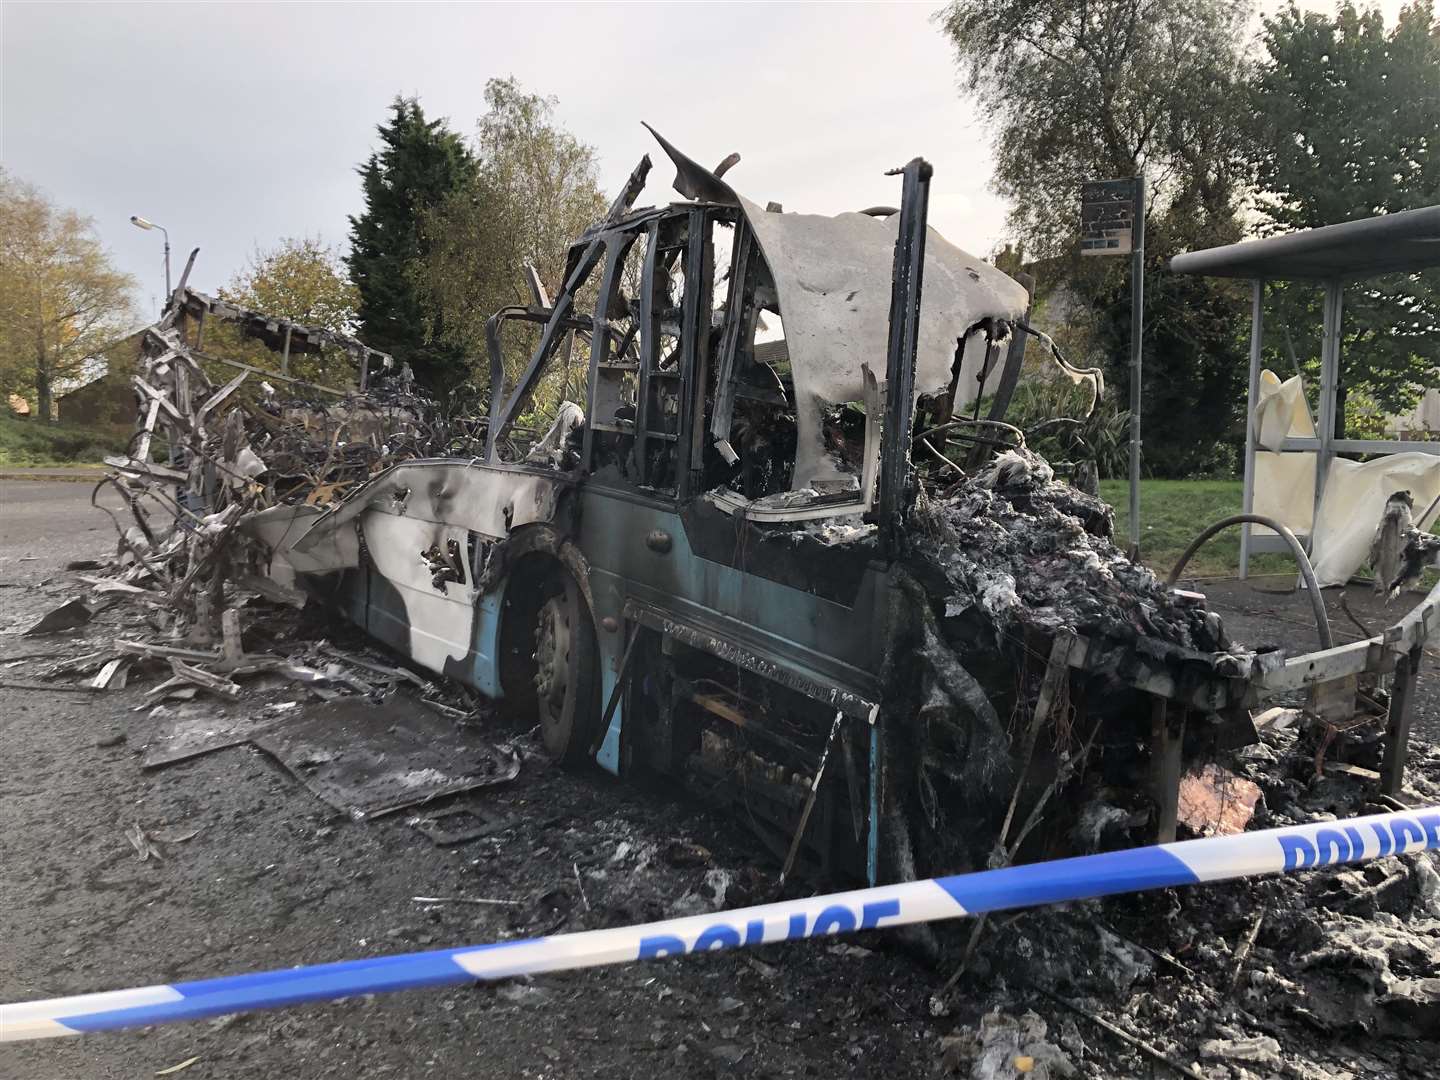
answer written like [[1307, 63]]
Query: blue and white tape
[[1191, 862]]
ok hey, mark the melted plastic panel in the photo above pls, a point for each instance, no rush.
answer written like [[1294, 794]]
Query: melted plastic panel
[[487, 501], [833, 276], [439, 620], [278, 527]]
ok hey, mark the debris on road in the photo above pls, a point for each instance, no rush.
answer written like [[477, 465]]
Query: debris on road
[[370, 761], [187, 730], [80, 688], [68, 616], [142, 843], [180, 1067], [452, 826], [176, 837], [1002, 1046], [113, 675]]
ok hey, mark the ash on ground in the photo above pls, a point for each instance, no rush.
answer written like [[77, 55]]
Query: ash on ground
[[1342, 979]]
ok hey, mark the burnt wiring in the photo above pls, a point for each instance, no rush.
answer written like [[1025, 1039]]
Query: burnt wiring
[[1093, 375], [1312, 586]]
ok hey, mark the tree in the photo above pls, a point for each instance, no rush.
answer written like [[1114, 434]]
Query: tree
[[1093, 89], [536, 190], [1346, 122], [301, 280], [420, 162], [61, 300]]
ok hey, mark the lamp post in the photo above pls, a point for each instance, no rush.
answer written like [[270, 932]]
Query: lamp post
[[141, 223]]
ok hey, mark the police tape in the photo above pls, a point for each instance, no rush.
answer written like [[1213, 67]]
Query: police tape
[[1190, 862]]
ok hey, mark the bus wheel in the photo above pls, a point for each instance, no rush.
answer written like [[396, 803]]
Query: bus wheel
[[567, 674]]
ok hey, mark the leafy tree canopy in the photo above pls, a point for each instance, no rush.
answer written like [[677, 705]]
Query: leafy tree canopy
[[535, 190], [1092, 89], [61, 299], [418, 164], [301, 280], [1346, 118], [1080, 90]]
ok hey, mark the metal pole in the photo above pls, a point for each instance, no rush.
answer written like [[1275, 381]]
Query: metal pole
[[872, 841], [1137, 331], [1257, 341], [167, 262], [1397, 723], [905, 298], [1329, 380]]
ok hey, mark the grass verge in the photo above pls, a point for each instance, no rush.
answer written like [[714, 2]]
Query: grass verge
[[30, 442], [1172, 513]]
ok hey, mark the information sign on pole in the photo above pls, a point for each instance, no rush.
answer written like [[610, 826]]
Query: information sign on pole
[[1107, 217], [1112, 222]]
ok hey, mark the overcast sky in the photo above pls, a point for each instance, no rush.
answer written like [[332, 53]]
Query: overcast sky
[[235, 125]]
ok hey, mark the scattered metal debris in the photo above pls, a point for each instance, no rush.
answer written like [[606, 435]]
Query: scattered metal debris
[[113, 675], [11, 684], [370, 761], [185, 731], [176, 837], [67, 616], [142, 843], [180, 1067], [448, 828]]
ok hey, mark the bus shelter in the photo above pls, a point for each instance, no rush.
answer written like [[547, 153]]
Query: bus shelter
[[1332, 256]]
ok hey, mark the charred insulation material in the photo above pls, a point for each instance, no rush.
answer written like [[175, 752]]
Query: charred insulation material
[[1031, 640], [1020, 551]]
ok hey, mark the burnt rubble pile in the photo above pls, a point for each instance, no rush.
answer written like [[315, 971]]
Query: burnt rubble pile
[[311, 445], [1029, 553], [265, 644], [206, 458], [1321, 975], [1045, 654]]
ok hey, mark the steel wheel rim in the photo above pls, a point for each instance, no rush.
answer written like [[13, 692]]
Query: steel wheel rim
[[552, 658]]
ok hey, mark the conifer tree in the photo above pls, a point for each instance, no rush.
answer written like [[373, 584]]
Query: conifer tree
[[419, 162]]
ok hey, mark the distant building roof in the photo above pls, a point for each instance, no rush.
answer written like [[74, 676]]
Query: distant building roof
[[99, 364]]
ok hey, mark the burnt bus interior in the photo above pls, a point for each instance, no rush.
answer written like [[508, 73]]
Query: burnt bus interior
[[656, 351]]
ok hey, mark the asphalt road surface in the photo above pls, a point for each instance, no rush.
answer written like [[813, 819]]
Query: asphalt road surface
[[54, 521]]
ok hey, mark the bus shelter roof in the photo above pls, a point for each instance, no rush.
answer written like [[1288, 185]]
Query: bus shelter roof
[[1404, 242]]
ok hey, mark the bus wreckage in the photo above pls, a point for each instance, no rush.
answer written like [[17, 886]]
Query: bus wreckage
[[767, 544]]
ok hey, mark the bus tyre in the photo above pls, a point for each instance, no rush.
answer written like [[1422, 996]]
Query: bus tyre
[[567, 674]]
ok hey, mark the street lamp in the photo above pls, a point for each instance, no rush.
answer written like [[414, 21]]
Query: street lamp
[[141, 223]]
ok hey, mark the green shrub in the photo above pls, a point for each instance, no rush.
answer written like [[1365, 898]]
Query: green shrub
[[1051, 412], [25, 441]]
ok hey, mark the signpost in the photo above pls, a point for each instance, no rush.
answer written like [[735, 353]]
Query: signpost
[[1112, 222]]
